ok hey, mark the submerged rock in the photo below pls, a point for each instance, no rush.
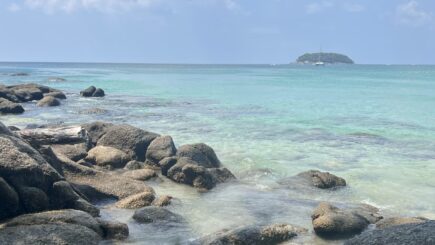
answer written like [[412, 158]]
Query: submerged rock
[[57, 95], [253, 235], [330, 221], [48, 101], [384, 223], [406, 234], [322, 180], [160, 148], [98, 93], [136, 201], [9, 107], [113, 229], [109, 157], [160, 215]]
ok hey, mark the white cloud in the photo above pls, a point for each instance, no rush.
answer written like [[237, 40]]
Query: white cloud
[[317, 7], [13, 7], [324, 5], [353, 7], [410, 14], [99, 5]]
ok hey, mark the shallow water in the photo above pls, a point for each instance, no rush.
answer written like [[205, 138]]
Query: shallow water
[[372, 125]]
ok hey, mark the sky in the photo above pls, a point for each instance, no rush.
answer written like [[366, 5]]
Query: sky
[[216, 31]]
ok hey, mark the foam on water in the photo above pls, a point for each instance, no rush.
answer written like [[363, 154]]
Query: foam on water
[[372, 125]]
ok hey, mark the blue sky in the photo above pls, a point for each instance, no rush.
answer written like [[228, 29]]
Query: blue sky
[[216, 31]]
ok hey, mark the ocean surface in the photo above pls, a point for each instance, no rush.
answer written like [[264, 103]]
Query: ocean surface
[[373, 125]]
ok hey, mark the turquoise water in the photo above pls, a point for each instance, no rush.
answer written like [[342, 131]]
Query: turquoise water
[[371, 124]]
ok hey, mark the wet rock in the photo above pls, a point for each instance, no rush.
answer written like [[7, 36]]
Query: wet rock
[[48, 101], [113, 229], [253, 235], [134, 165], [8, 94], [384, 223], [57, 95], [162, 201], [33, 199], [68, 216], [109, 157], [57, 234], [93, 111], [322, 180], [9, 107], [201, 153], [160, 148], [30, 91], [96, 130], [131, 140], [20, 74], [63, 193], [74, 152], [136, 201], [84, 206], [406, 234], [5, 130], [160, 215], [98, 93], [140, 174], [88, 92], [9, 203], [330, 221]]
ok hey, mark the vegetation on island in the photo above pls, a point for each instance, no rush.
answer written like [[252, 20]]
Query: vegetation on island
[[330, 58]]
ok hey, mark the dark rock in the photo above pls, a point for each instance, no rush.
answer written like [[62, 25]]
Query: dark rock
[[56, 234], [8, 94], [98, 93], [329, 221], [88, 92], [160, 148], [406, 234], [33, 199], [84, 206], [154, 214], [113, 229], [5, 130], [96, 130], [74, 152], [108, 157], [201, 153], [167, 163], [131, 140], [162, 201], [134, 165], [9, 107], [20, 74], [57, 95], [384, 223], [9, 203], [48, 101], [315, 178], [253, 235], [140, 174], [136, 201], [63, 193]]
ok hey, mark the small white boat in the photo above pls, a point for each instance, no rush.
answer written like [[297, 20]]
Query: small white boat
[[319, 63]]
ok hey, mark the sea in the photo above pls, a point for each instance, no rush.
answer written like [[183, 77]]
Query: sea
[[373, 125]]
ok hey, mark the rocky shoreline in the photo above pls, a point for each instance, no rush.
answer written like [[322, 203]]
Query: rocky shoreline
[[52, 176]]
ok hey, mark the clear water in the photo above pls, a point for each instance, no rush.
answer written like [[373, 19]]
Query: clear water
[[372, 125]]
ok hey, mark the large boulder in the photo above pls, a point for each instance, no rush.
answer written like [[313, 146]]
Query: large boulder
[[48, 101], [136, 201], [30, 91], [253, 235], [108, 157], [200, 153], [88, 92], [96, 130], [56, 234], [131, 140], [388, 222], [33, 199], [113, 229], [57, 95], [159, 215], [98, 93], [9, 107], [407, 234], [322, 180], [160, 148], [73, 151], [9, 204], [55, 134]]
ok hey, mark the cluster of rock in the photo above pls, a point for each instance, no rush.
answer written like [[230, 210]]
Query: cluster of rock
[[12, 96], [92, 92]]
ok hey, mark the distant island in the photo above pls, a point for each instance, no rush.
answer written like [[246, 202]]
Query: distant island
[[328, 58]]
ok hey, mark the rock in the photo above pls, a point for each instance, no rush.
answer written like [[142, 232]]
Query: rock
[[253, 235], [8, 94], [113, 229], [159, 215], [406, 234], [201, 153], [56, 234], [88, 92], [162, 201], [20, 74], [9, 107], [96, 130], [74, 152], [109, 157], [140, 174], [98, 93], [322, 180], [167, 163], [63, 193], [384, 223], [54, 135], [30, 91], [93, 111], [134, 165], [57, 95], [131, 140], [9, 200], [84, 206], [68, 216], [160, 148], [330, 221], [136, 201], [48, 101], [5, 130], [33, 199]]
